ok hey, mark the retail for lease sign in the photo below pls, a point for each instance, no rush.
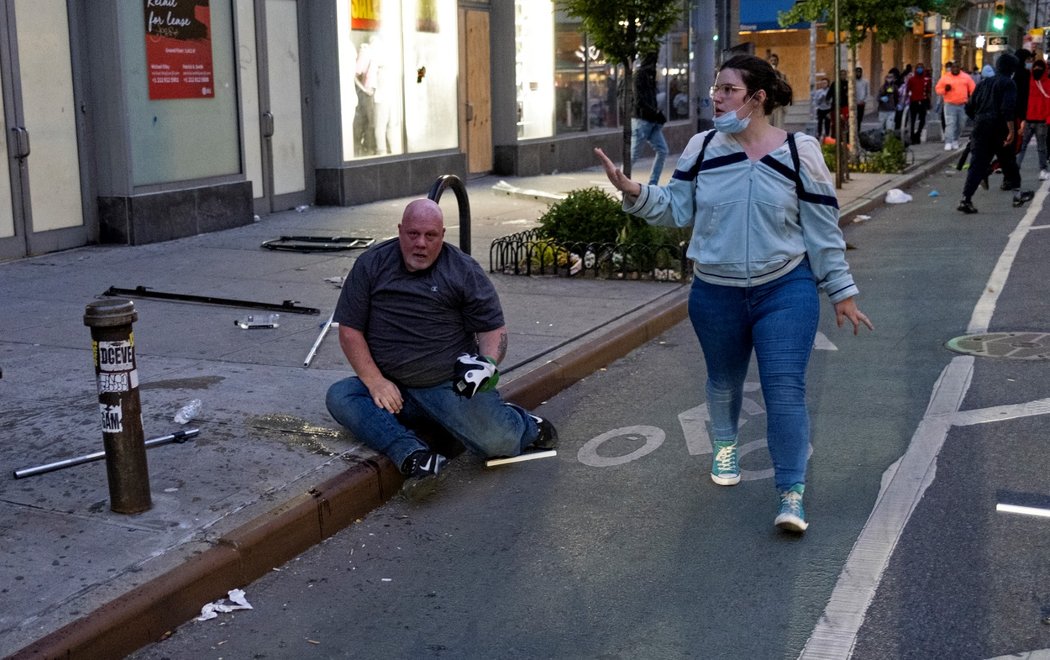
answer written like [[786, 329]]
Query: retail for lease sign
[[178, 49]]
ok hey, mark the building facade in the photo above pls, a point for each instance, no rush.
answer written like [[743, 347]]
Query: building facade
[[136, 121]]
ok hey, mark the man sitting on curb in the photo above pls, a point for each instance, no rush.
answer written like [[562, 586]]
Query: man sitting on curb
[[423, 329]]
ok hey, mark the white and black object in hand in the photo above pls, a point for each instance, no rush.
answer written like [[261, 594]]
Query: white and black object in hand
[[473, 374]]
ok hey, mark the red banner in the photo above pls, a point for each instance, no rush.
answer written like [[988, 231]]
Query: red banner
[[178, 49]]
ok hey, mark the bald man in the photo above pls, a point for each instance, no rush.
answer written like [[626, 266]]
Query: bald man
[[423, 329]]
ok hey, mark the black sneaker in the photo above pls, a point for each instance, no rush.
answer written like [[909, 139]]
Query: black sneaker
[[1009, 185], [548, 434], [966, 206], [422, 470], [1022, 197], [422, 464]]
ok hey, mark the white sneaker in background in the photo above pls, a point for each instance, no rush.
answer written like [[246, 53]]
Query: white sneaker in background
[[947, 146], [1044, 175]]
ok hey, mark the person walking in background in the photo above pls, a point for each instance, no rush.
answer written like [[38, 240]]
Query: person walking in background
[[902, 99], [760, 256], [918, 102], [888, 96], [992, 108], [780, 113], [1036, 116], [647, 125], [861, 91], [1022, 78], [843, 103], [955, 88], [822, 104]]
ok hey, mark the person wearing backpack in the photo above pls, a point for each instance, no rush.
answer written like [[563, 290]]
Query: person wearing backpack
[[765, 240]]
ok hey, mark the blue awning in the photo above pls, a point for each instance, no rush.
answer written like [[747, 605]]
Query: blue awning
[[762, 14]]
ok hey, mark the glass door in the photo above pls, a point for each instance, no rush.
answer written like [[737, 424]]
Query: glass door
[[273, 104], [41, 197]]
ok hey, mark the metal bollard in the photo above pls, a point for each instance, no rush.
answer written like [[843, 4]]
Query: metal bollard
[[113, 346]]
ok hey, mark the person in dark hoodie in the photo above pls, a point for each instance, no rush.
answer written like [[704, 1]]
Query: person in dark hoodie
[[1022, 79], [993, 107], [648, 122]]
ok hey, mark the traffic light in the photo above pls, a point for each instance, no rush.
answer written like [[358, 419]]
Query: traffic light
[[999, 15]]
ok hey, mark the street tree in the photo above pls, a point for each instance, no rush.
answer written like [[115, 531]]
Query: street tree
[[885, 19], [622, 30]]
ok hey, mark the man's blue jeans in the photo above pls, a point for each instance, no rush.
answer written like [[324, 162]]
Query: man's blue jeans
[[484, 423], [646, 131], [777, 320]]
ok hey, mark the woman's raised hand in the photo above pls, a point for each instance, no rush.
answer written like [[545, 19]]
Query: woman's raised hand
[[616, 175]]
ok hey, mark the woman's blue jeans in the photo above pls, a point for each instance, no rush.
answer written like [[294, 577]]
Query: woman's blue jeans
[[777, 320], [484, 423]]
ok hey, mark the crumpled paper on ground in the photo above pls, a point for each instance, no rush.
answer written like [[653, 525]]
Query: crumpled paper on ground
[[211, 610], [897, 196]]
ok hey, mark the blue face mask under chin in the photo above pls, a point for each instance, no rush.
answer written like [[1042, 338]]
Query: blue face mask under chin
[[729, 123]]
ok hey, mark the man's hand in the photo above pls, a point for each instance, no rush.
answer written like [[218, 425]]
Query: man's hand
[[385, 394], [473, 374]]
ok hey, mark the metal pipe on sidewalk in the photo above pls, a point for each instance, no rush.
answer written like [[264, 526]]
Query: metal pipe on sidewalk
[[113, 346], [317, 342], [178, 437]]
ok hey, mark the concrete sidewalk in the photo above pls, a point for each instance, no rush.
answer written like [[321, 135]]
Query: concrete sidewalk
[[270, 473]]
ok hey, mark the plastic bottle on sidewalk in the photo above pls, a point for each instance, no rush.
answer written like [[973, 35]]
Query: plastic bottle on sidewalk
[[188, 412]]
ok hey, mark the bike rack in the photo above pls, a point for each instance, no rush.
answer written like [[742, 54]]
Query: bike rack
[[454, 182]]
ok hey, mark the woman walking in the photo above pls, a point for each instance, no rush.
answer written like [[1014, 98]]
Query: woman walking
[[765, 239]]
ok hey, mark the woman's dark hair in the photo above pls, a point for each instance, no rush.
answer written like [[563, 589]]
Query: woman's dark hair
[[758, 74]]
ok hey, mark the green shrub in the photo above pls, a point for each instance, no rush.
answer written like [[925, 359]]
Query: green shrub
[[892, 159], [591, 215]]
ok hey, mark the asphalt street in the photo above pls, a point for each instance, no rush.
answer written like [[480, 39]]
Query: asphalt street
[[621, 547]]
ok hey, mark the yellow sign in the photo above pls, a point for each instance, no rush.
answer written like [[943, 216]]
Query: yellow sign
[[364, 14]]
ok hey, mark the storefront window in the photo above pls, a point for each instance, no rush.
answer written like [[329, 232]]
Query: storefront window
[[534, 67], [675, 69], [603, 99], [570, 58], [397, 58], [583, 93]]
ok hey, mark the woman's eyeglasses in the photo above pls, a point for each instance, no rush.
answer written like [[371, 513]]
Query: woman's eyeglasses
[[725, 90]]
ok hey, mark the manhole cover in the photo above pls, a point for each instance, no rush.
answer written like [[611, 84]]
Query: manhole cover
[[1013, 345]]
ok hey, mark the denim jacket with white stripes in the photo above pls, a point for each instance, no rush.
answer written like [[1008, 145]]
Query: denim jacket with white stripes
[[753, 221]]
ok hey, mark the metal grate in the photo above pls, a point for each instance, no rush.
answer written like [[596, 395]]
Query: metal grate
[[1012, 345]]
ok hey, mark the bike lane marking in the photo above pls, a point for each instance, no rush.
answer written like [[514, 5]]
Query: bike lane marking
[[905, 482]]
